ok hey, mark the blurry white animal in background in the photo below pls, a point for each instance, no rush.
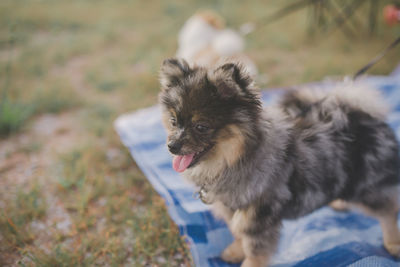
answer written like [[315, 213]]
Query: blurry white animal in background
[[204, 40]]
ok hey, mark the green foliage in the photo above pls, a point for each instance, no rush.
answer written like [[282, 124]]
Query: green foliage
[[13, 115]]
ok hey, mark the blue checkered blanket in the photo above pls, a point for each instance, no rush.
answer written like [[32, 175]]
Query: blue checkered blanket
[[323, 238]]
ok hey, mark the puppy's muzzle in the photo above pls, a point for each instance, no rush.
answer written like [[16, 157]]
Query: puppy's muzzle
[[175, 146]]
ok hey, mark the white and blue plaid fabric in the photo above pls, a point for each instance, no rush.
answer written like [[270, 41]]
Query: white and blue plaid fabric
[[323, 238]]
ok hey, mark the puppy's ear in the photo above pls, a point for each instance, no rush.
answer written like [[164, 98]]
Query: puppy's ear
[[231, 79], [172, 70]]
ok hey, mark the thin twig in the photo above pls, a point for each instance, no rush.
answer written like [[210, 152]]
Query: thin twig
[[377, 58]]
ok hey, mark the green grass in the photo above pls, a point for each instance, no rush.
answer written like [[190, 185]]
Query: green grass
[[54, 99], [124, 202], [85, 62], [25, 206], [13, 116], [97, 117]]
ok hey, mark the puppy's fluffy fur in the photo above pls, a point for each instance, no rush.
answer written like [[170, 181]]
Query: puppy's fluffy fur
[[259, 166]]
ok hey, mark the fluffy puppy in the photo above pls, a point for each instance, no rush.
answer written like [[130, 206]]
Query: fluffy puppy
[[259, 166]]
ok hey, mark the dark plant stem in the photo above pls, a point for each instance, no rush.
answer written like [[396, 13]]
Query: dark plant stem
[[7, 71]]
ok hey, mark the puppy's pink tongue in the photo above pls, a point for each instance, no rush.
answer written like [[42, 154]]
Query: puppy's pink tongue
[[180, 163]]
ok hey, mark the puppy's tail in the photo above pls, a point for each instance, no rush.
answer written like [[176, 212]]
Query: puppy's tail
[[299, 103], [361, 96], [355, 95]]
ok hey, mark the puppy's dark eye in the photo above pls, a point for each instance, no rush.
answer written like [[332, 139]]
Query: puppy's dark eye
[[172, 121], [201, 128]]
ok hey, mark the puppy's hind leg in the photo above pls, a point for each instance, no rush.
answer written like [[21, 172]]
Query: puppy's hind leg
[[391, 233], [384, 206]]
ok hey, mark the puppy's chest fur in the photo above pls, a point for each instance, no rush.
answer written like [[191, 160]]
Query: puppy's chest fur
[[229, 148], [241, 167]]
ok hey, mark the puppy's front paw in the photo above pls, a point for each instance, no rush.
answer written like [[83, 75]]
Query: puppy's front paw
[[339, 205], [393, 249], [254, 262], [234, 253]]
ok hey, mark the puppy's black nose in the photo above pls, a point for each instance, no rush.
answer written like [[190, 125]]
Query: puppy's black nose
[[174, 147]]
